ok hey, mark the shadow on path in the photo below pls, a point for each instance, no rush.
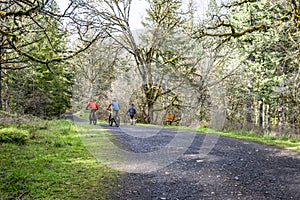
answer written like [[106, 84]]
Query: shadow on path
[[233, 169]]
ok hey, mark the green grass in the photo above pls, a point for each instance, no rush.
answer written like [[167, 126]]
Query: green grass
[[50, 163], [85, 116], [286, 141], [13, 135]]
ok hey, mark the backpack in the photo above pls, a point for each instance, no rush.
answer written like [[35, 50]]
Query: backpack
[[131, 111]]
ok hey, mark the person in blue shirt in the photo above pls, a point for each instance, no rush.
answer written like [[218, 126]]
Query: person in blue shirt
[[114, 105]]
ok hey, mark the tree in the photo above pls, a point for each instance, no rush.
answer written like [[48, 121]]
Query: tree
[[21, 30], [35, 32], [266, 33], [33, 86]]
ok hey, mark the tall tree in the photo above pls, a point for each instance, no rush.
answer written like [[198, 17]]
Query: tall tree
[[31, 86], [31, 32]]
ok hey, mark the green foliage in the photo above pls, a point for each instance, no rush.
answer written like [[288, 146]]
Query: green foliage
[[29, 32], [40, 92], [34, 88], [164, 14], [13, 135], [268, 75]]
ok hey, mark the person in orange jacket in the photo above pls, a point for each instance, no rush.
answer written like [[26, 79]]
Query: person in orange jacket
[[94, 107]]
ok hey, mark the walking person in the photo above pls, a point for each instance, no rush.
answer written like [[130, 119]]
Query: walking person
[[132, 112]]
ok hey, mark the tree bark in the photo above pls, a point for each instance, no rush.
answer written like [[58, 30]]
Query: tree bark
[[1, 108], [268, 117], [261, 114]]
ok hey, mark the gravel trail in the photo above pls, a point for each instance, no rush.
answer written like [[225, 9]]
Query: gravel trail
[[233, 169]]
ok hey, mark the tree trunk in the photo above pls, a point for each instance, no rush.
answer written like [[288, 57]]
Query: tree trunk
[[1, 73], [280, 118], [268, 118], [0, 81], [7, 96], [248, 122], [261, 114]]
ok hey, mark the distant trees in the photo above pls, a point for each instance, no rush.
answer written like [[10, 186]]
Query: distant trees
[[241, 64], [96, 69], [160, 55], [176, 72], [265, 90]]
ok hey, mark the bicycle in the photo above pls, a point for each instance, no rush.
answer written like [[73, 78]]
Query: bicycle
[[93, 118], [113, 119]]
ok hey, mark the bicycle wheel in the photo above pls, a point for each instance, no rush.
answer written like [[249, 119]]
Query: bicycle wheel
[[110, 120], [117, 121], [90, 119], [95, 121]]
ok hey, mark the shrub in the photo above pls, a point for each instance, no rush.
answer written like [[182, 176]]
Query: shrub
[[13, 135]]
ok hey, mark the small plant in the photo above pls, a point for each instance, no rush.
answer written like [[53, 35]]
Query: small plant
[[294, 139], [13, 135]]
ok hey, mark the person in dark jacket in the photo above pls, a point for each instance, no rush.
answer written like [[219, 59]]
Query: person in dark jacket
[[132, 112]]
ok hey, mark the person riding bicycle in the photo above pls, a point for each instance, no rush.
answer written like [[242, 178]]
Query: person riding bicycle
[[115, 108], [132, 112], [94, 107]]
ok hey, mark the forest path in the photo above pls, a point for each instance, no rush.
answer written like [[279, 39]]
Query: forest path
[[206, 166]]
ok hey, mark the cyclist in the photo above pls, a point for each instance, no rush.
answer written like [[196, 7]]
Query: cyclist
[[94, 107], [114, 105], [132, 112]]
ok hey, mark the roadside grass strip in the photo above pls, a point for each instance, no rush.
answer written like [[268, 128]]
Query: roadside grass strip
[[51, 162], [283, 140], [286, 141]]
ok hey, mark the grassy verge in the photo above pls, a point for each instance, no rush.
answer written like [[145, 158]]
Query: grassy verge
[[47, 160], [284, 141]]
